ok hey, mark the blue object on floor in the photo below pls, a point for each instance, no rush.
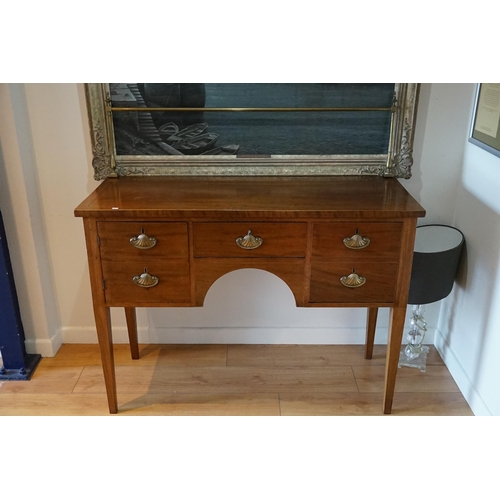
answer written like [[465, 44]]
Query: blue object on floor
[[17, 364]]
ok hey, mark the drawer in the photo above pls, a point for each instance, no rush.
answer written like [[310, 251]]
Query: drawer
[[134, 241], [326, 285], [173, 282], [218, 239], [369, 241]]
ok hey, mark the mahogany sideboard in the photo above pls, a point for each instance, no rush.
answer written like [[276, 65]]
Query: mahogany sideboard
[[335, 241]]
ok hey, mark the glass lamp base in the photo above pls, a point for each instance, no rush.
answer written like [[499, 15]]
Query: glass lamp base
[[419, 362]]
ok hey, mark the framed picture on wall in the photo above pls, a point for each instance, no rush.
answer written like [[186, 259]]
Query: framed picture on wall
[[252, 128], [485, 127]]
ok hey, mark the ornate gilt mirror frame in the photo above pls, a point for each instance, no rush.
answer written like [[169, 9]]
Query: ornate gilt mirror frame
[[397, 162]]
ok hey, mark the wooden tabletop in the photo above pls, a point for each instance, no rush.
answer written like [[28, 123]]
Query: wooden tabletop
[[229, 197]]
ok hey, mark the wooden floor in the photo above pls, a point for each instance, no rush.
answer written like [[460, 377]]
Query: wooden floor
[[231, 380]]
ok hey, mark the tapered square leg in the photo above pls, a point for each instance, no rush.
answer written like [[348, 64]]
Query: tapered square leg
[[103, 324], [371, 325], [396, 326], [132, 331]]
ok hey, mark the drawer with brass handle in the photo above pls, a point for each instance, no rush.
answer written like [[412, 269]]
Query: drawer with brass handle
[[139, 240], [353, 280], [146, 280], [356, 241], [143, 241], [366, 241], [249, 239], [249, 242], [337, 282], [149, 282]]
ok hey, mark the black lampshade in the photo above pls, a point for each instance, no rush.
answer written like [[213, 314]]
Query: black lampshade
[[435, 263]]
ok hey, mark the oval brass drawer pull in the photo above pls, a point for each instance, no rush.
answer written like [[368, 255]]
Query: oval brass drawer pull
[[143, 241], [146, 280], [356, 241], [249, 242], [353, 280]]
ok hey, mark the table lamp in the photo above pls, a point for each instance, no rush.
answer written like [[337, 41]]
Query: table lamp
[[435, 263]]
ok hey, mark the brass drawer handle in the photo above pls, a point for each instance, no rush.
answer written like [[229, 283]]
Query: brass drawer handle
[[249, 242], [353, 280], [143, 241], [356, 241], [146, 280]]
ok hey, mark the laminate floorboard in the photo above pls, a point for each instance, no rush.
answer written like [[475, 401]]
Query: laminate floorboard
[[219, 380]]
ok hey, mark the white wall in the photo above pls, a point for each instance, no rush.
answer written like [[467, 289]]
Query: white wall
[[459, 184], [58, 122], [468, 333], [45, 172], [23, 212], [441, 134]]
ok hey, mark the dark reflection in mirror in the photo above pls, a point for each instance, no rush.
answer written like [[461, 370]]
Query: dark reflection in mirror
[[319, 128]]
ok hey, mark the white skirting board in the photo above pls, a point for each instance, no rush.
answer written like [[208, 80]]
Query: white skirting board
[[462, 379], [46, 347], [231, 335]]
